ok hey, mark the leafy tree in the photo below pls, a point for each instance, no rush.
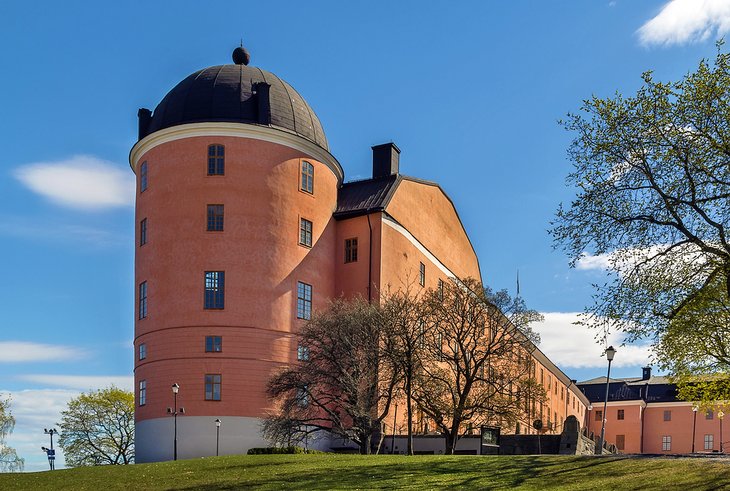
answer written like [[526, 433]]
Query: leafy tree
[[653, 178], [697, 341], [475, 373], [343, 384], [97, 428], [9, 460]]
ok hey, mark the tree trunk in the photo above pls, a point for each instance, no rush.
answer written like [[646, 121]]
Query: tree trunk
[[409, 411]]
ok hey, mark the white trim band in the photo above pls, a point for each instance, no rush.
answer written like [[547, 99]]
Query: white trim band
[[255, 132]]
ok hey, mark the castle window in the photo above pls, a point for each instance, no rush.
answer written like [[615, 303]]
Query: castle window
[[142, 392], [143, 232], [216, 160], [143, 177], [213, 387], [422, 274], [214, 289], [709, 442], [304, 301], [142, 351], [213, 344], [666, 443], [599, 415], [709, 414], [441, 289], [667, 415], [302, 353], [351, 250], [215, 218], [307, 184], [620, 414], [305, 232], [620, 441], [143, 300]]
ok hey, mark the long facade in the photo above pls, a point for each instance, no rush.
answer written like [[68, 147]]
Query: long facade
[[643, 415], [244, 227]]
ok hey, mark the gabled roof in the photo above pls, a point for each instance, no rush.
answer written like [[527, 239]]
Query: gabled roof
[[361, 197]]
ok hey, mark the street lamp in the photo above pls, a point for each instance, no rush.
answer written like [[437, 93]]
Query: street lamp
[[52, 453], [610, 353], [694, 428], [174, 412], [720, 415], [217, 434]]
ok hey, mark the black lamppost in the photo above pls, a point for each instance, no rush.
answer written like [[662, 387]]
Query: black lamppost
[[175, 390], [610, 353], [217, 434], [694, 428], [52, 453]]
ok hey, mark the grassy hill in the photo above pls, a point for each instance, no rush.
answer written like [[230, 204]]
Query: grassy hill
[[390, 472]]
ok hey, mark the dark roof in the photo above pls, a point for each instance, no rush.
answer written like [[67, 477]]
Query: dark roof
[[361, 197], [225, 93], [655, 389]]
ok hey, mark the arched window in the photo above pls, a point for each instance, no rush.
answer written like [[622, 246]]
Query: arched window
[[216, 160], [307, 184]]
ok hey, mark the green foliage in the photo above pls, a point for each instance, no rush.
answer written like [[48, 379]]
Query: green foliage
[[97, 428], [653, 194], [9, 460]]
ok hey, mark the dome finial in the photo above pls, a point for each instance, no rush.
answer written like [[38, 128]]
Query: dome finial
[[240, 55]]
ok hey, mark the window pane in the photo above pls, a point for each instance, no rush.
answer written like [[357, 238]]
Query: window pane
[[143, 300], [143, 177], [214, 289], [215, 218], [304, 301], [307, 183], [216, 160]]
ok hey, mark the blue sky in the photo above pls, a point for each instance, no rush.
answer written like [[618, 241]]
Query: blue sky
[[470, 91]]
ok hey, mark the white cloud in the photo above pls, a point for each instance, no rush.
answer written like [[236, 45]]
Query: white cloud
[[588, 261], [24, 352], [80, 382], [35, 410], [83, 181], [570, 345], [686, 21]]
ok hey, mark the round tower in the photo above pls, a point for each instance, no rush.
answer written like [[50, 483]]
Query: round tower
[[235, 245]]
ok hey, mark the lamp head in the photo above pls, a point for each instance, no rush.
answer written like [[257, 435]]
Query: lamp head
[[610, 353], [694, 409], [218, 422], [175, 388]]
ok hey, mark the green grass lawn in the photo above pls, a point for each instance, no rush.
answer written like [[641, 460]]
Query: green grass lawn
[[390, 472]]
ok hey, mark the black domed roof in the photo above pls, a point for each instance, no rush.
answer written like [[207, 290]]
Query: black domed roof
[[241, 94]]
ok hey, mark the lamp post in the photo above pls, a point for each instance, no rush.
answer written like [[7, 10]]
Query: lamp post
[[610, 353], [720, 415], [175, 390], [52, 453], [217, 434], [694, 428]]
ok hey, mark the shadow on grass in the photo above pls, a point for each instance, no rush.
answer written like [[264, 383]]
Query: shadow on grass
[[506, 472]]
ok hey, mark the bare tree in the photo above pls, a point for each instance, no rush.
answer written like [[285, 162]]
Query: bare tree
[[342, 384], [474, 374], [405, 328]]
